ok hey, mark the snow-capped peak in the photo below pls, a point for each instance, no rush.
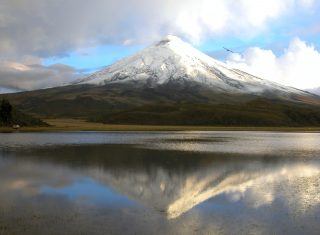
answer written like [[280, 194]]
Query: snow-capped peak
[[173, 60], [182, 48], [170, 39]]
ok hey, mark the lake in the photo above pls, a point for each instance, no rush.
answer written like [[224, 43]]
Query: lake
[[160, 183]]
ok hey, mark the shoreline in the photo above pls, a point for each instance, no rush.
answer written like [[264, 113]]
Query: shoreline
[[69, 125]]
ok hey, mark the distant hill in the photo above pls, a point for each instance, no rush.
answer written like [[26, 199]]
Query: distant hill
[[173, 83]]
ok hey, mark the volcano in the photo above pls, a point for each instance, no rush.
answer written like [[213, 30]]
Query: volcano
[[173, 61], [171, 82]]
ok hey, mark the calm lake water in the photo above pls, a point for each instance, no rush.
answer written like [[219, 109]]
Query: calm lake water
[[160, 183]]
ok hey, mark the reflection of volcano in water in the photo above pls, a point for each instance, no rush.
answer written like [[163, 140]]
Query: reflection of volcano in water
[[176, 192], [175, 182]]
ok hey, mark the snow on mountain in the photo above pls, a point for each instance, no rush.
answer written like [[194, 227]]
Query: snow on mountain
[[173, 60]]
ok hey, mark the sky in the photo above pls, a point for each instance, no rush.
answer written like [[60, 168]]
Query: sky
[[46, 43]]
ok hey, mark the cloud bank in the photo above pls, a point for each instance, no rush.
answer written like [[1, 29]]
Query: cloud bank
[[54, 28], [297, 66], [24, 76]]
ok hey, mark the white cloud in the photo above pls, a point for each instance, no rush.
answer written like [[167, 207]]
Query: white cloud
[[297, 66], [52, 28]]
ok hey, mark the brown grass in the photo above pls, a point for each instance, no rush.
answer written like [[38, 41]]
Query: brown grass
[[82, 125]]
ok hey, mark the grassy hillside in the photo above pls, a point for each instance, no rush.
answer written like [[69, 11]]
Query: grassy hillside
[[168, 105], [254, 113], [24, 119]]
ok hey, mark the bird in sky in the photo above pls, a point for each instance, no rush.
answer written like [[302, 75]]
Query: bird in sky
[[228, 50]]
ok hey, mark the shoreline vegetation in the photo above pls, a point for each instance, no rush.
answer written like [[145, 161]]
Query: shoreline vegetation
[[65, 125]]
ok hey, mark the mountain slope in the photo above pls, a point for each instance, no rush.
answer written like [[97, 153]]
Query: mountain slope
[[173, 83]]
